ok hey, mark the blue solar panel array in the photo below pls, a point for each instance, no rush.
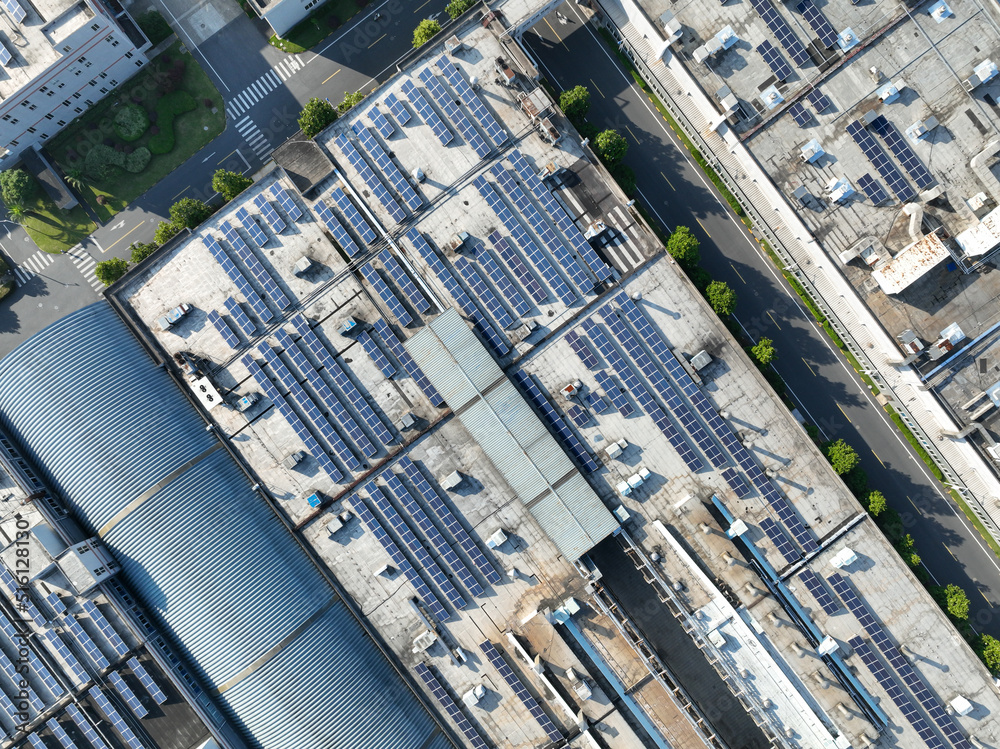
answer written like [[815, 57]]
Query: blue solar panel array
[[517, 266], [541, 228], [461, 86], [16, 10], [401, 562], [597, 403], [566, 435], [227, 333], [5, 55], [147, 681], [445, 515], [398, 110], [799, 114], [388, 295], [55, 603], [308, 406], [105, 706], [781, 30], [576, 239], [819, 100], [371, 348], [505, 286], [16, 678], [666, 391], [880, 161], [37, 667], [105, 626], [722, 430], [475, 282], [380, 122], [60, 733], [896, 659], [872, 189], [353, 215], [429, 116], [780, 540], [451, 707], [642, 394], [240, 317], [774, 60], [815, 586], [579, 345], [524, 241], [815, 18], [85, 727], [368, 176], [256, 268], [337, 229], [515, 683], [236, 276], [736, 482], [56, 646], [309, 442], [580, 416], [126, 693], [615, 393], [396, 178], [403, 281], [285, 201], [257, 235], [485, 326], [431, 533], [342, 380], [901, 149], [395, 345], [456, 115]]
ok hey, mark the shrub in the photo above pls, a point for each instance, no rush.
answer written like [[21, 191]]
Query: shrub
[[168, 107], [350, 101], [165, 232], [230, 184], [765, 353], [208, 103], [130, 122], [101, 161], [137, 160], [721, 298], [154, 26], [457, 7], [683, 247], [988, 649], [624, 175], [109, 271], [316, 116], [425, 31], [905, 547], [16, 186], [575, 102], [611, 147], [142, 250], [875, 503], [856, 479], [189, 212], [102, 200]]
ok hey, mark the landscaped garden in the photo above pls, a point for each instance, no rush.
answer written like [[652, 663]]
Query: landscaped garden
[[139, 133]]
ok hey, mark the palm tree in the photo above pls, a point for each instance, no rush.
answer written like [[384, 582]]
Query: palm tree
[[17, 213], [74, 178]]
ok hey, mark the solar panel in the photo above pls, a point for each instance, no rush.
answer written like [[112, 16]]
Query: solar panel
[[285, 201], [815, 18], [451, 524], [353, 215], [399, 561], [484, 292], [524, 241], [5, 55], [429, 116], [431, 533], [105, 706], [736, 482], [471, 100], [403, 357], [147, 681], [597, 403], [84, 725], [819, 100], [257, 235], [60, 733], [569, 229], [342, 380], [227, 333], [500, 280], [453, 113], [564, 434], [872, 189], [309, 442], [774, 60], [398, 110], [36, 741], [337, 229], [380, 122], [483, 324], [781, 30], [880, 161], [237, 277], [403, 281], [642, 395], [514, 682], [240, 317], [57, 648], [902, 151], [373, 182], [582, 350], [799, 114], [105, 626], [580, 416], [16, 10], [16, 679], [42, 671], [381, 360], [812, 582], [260, 274], [451, 707], [779, 539], [10, 709], [398, 180], [517, 266], [387, 295], [270, 215], [615, 393], [55, 603], [308, 406], [126, 693], [84, 640]]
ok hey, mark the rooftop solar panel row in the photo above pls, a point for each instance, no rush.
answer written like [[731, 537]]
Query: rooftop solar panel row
[[257, 235], [902, 151], [104, 625], [513, 261], [780, 540], [819, 100], [781, 30], [388, 296], [815, 586], [566, 436], [514, 682], [611, 389], [398, 110], [799, 114], [16, 10], [381, 361], [475, 282], [389, 169], [736, 482], [256, 268], [872, 189], [105, 706], [374, 184], [450, 706], [579, 345], [403, 281], [774, 60], [453, 113], [85, 727], [288, 205], [337, 229], [380, 122], [227, 333], [815, 18], [126, 693], [502, 283], [430, 117], [147, 681], [16, 678], [390, 339], [353, 215], [240, 317], [461, 86], [236, 276], [880, 161]]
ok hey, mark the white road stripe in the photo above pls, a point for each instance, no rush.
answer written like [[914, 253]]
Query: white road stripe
[[279, 68]]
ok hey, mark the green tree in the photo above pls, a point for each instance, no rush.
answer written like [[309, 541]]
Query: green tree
[[721, 298], [165, 232], [575, 102], [189, 212], [142, 250], [765, 353], [683, 247], [905, 547], [876, 503], [16, 186], [611, 147], [316, 116], [988, 648], [953, 600], [457, 7], [350, 101], [230, 184], [842, 456], [17, 213], [425, 31], [109, 271]]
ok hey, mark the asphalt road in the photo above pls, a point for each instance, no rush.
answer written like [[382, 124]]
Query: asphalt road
[[827, 390]]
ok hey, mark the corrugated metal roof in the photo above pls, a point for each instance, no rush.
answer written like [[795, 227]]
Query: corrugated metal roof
[[511, 435], [202, 550]]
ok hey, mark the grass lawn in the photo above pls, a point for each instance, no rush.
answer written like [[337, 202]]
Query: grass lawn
[[193, 130], [318, 26], [55, 230]]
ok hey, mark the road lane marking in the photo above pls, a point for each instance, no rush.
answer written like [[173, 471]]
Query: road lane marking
[[844, 412], [331, 76], [557, 35], [810, 368], [668, 181], [417, 9], [773, 320], [377, 41], [633, 135], [879, 459], [702, 227], [598, 89], [738, 273], [228, 155], [950, 552], [913, 503], [105, 249], [181, 192]]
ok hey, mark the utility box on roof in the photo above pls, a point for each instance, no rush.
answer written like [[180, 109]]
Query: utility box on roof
[[452, 481]]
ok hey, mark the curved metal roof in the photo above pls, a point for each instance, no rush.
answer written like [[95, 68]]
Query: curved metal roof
[[111, 431]]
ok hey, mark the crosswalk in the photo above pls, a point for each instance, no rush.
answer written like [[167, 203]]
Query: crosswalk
[[254, 137], [618, 245], [264, 85], [32, 267], [85, 263]]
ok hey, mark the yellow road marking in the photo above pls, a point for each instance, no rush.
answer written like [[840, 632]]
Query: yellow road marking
[[631, 133], [810, 368], [844, 412], [377, 41], [331, 75], [598, 89], [773, 320], [988, 601], [228, 155], [558, 37], [738, 273], [417, 9], [914, 504], [124, 235], [879, 459], [950, 552], [181, 192], [668, 181], [703, 227]]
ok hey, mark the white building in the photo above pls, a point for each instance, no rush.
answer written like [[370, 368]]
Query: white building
[[282, 15], [61, 56]]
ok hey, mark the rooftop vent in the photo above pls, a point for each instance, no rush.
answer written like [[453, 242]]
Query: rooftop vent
[[940, 11], [812, 151], [844, 558], [701, 360], [847, 39], [890, 92]]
